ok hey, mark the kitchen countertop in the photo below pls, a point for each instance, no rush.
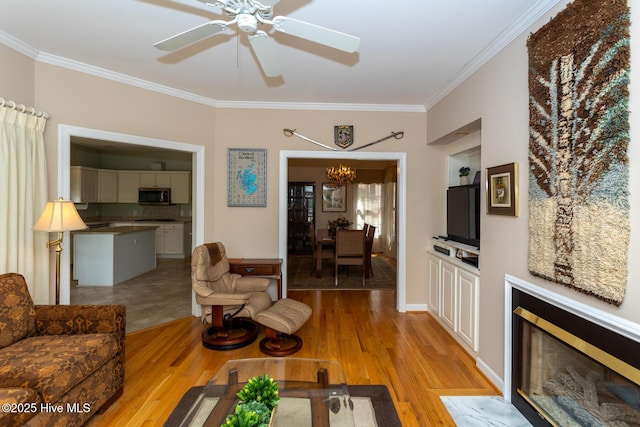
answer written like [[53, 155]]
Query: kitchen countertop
[[119, 230]]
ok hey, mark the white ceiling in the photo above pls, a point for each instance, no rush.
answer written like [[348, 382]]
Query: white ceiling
[[412, 52]]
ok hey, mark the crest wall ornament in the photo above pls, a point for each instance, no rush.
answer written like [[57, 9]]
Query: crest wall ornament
[[292, 132]]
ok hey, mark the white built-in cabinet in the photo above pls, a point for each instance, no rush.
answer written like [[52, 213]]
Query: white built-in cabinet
[[84, 184], [179, 182], [453, 297], [107, 186], [89, 185], [128, 184]]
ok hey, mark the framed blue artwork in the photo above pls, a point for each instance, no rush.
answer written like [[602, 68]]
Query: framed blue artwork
[[247, 177]]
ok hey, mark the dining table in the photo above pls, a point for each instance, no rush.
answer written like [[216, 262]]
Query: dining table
[[323, 238]]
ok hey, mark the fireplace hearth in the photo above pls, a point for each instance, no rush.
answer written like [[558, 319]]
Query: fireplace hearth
[[567, 363]]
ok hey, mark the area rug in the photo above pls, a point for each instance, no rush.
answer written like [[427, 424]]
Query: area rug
[[578, 139], [301, 275], [372, 407]]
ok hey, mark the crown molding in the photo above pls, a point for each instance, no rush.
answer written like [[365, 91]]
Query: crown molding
[[393, 108], [18, 45], [81, 67], [534, 13], [121, 78]]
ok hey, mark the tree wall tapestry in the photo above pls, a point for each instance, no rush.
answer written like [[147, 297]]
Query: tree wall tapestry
[[578, 140]]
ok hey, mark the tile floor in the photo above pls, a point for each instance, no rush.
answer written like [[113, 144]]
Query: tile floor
[[482, 411], [156, 297]]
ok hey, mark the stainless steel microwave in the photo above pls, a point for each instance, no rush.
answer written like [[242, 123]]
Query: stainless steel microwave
[[154, 196]]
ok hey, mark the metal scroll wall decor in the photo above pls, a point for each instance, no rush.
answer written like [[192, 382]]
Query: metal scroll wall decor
[[578, 140]]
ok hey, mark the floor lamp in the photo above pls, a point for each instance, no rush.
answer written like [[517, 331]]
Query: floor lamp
[[59, 216]]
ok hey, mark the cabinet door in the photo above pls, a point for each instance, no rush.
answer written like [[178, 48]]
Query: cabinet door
[[128, 184], [448, 288], [180, 187], [107, 186], [84, 184], [173, 242], [148, 179], [434, 285], [163, 179], [468, 287], [160, 240], [186, 238]]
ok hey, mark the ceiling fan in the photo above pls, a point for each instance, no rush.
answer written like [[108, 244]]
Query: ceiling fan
[[247, 14]]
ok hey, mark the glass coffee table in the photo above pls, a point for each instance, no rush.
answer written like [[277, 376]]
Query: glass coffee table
[[312, 392]]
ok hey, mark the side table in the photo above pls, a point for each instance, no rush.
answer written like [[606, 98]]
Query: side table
[[270, 268]]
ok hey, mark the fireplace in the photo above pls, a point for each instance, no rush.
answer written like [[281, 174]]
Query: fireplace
[[568, 363]]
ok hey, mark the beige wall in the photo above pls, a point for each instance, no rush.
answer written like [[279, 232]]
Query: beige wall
[[16, 77], [77, 99], [498, 94], [264, 129]]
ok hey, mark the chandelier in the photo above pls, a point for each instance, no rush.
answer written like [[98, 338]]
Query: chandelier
[[341, 175]]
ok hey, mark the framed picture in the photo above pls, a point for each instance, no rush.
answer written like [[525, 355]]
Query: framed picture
[[247, 179], [502, 190], [334, 197]]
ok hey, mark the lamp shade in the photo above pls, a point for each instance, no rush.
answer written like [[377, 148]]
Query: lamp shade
[[59, 215]]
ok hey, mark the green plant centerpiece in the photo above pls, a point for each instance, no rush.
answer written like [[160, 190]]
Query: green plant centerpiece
[[258, 399], [342, 222], [464, 171]]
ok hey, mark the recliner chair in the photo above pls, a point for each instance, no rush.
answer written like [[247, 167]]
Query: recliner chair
[[229, 301]]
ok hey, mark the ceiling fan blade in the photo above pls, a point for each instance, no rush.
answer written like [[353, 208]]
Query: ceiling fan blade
[[315, 33], [191, 36], [268, 2], [265, 51]]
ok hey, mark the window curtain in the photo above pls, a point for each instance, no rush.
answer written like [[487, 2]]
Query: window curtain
[[369, 203], [23, 195]]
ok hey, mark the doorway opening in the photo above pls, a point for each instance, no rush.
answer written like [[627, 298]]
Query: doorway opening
[[65, 134], [398, 157]]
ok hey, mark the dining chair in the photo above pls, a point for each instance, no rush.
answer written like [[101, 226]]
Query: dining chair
[[327, 251], [350, 250], [368, 248]]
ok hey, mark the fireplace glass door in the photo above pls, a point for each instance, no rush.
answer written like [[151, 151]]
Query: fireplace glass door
[[570, 382]]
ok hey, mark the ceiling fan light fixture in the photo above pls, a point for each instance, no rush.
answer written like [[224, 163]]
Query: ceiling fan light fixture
[[247, 23], [342, 175]]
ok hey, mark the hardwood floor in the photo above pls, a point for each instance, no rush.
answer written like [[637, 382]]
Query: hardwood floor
[[409, 352]]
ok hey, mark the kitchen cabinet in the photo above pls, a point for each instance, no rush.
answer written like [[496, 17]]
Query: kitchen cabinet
[[84, 184], [108, 256], [178, 181], [453, 297], [180, 184], [89, 185], [128, 184], [155, 179], [107, 186], [173, 240], [170, 237], [187, 240]]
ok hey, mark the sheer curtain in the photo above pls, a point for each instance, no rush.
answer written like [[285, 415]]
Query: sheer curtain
[[369, 202], [23, 195]]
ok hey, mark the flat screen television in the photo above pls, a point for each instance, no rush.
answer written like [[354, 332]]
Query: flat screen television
[[463, 214]]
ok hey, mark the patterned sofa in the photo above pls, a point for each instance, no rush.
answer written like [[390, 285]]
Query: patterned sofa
[[60, 364]]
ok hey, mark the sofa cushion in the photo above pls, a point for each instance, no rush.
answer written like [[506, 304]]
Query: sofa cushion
[[17, 312], [23, 404], [54, 364]]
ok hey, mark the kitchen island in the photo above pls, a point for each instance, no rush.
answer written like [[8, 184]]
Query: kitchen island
[[108, 256]]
